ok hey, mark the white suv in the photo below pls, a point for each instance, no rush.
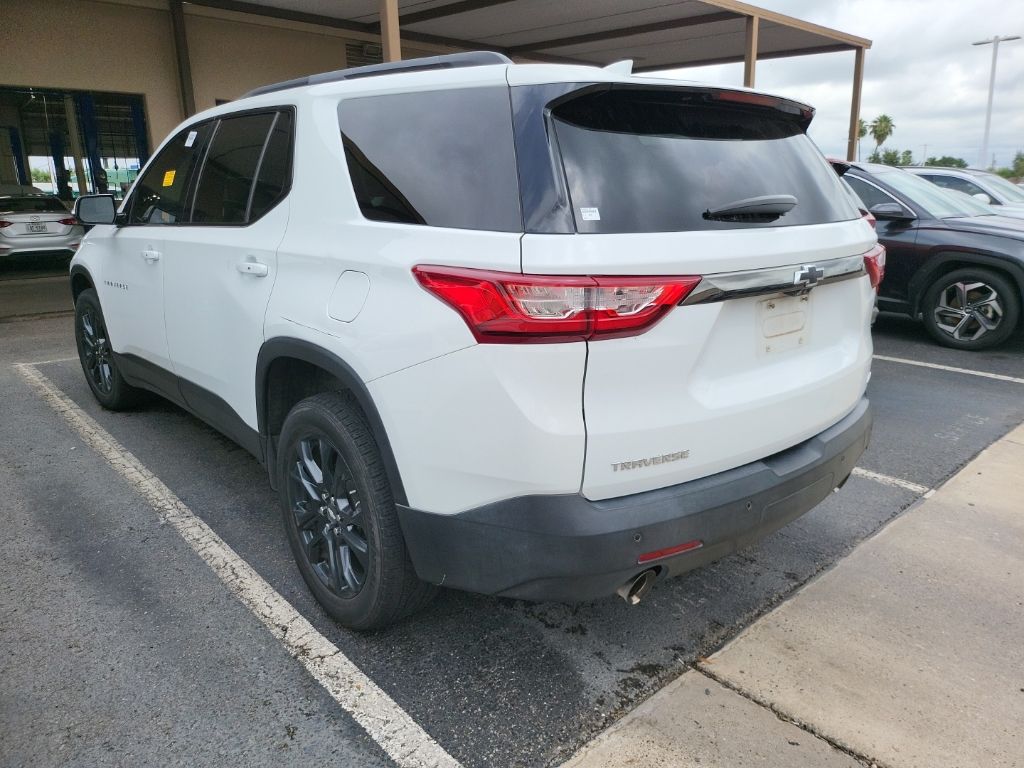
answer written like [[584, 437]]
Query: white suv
[[548, 332]]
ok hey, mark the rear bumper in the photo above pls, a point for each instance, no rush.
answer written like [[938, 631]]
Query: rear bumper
[[568, 548]]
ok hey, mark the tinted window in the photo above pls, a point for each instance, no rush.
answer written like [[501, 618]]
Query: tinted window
[[655, 161], [1011, 192], [960, 185], [938, 202], [441, 158], [222, 194], [870, 194], [32, 205], [275, 167], [159, 195]]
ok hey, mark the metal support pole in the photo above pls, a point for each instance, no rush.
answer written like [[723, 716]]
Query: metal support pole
[[750, 54], [994, 41], [90, 132], [76, 144], [390, 36], [858, 82], [188, 96]]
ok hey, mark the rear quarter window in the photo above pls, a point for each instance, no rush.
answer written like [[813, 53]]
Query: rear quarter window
[[656, 160], [435, 158]]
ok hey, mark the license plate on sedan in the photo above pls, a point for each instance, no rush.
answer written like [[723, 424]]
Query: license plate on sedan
[[36, 227]]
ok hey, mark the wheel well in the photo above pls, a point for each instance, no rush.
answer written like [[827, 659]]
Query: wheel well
[[951, 265], [289, 370], [79, 283], [290, 380]]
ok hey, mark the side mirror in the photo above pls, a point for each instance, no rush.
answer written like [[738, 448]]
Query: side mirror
[[891, 212], [982, 197], [95, 209]]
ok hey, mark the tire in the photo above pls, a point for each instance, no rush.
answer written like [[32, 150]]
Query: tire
[[971, 308], [342, 524], [96, 356]]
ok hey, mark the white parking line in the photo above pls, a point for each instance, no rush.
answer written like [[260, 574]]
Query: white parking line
[[969, 372], [46, 362], [897, 482], [386, 723]]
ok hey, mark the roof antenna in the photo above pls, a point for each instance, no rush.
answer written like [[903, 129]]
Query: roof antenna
[[624, 67]]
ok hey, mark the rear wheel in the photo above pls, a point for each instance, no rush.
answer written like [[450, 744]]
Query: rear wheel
[[340, 516], [971, 308], [105, 380]]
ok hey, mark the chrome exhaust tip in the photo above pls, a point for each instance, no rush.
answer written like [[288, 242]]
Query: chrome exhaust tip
[[634, 590]]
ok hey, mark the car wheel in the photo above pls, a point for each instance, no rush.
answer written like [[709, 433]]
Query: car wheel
[[340, 516], [94, 352], [971, 308]]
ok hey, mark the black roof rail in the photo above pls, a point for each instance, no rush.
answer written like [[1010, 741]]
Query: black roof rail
[[448, 61]]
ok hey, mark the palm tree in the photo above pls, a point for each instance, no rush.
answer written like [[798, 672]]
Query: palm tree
[[881, 130], [862, 131]]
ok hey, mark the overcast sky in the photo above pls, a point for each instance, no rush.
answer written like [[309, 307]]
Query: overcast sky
[[921, 70]]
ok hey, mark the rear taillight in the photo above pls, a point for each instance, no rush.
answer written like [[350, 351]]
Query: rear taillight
[[4, 224], [507, 307], [68, 222], [874, 265]]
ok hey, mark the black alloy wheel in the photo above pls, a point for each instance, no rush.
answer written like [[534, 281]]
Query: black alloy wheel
[[340, 515], [328, 516], [96, 354], [97, 361]]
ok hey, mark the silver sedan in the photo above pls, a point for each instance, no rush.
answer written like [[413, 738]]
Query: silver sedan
[[37, 224]]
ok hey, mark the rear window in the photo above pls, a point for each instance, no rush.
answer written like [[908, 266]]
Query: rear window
[[32, 205], [440, 158], [656, 160]]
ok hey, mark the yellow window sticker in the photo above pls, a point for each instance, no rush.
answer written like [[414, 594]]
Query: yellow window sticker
[[169, 178]]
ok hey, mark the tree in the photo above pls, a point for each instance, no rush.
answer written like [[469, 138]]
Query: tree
[[1018, 164], [891, 157], [947, 161], [862, 131], [881, 129], [906, 157], [40, 174]]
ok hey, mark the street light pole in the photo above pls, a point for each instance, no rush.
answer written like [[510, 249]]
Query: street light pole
[[994, 41]]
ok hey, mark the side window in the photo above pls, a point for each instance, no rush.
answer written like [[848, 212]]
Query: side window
[[226, 179], [275, 169], [960, 185], [441, 158], [870, 194], [159, 196]]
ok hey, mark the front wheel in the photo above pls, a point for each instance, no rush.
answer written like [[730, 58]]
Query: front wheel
[[971, 308], [94, 352], [340, 516]]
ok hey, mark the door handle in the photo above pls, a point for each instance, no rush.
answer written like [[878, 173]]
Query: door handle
[[255, 268], [150, 255]]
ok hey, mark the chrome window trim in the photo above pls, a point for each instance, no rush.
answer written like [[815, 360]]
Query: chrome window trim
[[763, 282]]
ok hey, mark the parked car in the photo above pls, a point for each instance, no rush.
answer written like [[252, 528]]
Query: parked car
[[950, 261], [473, 356], [1007, 199], [37, 224]]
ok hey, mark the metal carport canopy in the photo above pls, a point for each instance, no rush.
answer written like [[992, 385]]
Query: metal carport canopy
[[655, 34]]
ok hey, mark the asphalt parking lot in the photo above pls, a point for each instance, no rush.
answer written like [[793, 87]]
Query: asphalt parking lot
[[120, 645]]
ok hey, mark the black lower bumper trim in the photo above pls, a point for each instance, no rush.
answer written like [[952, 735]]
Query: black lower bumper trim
[[569, 548]]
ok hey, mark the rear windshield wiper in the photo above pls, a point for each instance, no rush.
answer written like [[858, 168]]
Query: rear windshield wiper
[[753, 209]]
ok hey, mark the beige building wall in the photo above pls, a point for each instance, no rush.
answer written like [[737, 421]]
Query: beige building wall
[[83, 45], [232, 57], [127, 46]]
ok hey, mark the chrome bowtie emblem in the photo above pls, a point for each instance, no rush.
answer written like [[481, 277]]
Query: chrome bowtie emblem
[[35, 218], [808, 275]]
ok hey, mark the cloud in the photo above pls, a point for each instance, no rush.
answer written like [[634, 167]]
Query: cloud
[[921, 70]]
